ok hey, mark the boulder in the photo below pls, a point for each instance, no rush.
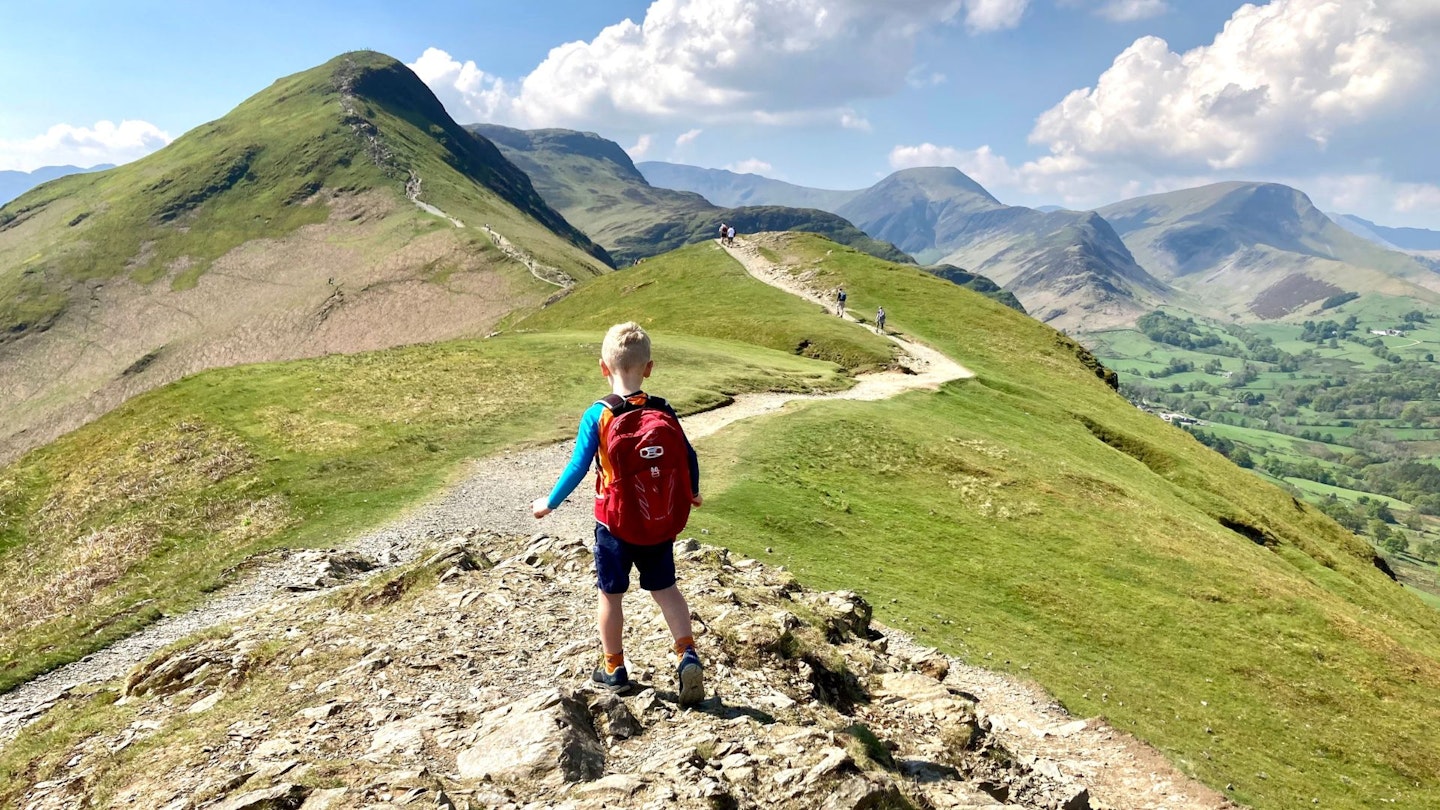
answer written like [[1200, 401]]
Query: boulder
[[406, 736], [546, 737], [324, 799], [847, 615], [284, 796], [860, 793], [459, 554], [612, 718]]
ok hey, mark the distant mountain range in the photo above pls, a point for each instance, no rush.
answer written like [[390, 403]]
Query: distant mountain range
[[340, 209], [1417, 240], [1242, 250], [13, 183], [593, 182], [1259, 249], [727, 188], [1067, 268]]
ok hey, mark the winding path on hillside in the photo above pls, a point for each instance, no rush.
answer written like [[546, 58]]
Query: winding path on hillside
[[494, 496]]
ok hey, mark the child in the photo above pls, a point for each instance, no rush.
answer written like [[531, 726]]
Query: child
[[625, 362]]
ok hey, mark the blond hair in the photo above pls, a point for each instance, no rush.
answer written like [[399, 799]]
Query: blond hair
[[626, 347]]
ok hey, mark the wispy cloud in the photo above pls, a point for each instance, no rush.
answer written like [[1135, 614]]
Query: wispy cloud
[[65, 144]]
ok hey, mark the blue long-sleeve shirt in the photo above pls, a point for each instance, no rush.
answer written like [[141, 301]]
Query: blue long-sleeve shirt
[[587, 444]]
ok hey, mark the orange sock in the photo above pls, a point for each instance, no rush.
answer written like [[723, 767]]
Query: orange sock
[[614, 661], [682, 643]]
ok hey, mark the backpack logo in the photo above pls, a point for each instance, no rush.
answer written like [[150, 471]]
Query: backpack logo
[[654, 451]]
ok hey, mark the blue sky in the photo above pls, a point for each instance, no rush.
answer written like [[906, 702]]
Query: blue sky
[[1076, 102]]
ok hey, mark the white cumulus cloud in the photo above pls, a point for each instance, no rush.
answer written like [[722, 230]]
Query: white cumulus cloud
[[64, 144], [994, 15], [1284, 75], [687, 136], [773, 62], [1046, 176], [751, 166]]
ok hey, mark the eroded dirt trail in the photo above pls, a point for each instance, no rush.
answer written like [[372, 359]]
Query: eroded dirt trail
[[493, 498]]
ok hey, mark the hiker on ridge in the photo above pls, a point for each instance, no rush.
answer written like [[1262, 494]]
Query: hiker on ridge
[[722, 232], [646, 480], [880, 320], [840, 302], [730, 235]]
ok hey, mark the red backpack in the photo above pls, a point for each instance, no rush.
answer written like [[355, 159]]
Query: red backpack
[[642, 492]]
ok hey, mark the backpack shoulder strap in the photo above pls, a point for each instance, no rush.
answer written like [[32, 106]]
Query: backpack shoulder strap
[[611, 401]]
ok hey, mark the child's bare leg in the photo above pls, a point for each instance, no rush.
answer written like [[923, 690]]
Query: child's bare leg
[[677, 611], [610, 616]]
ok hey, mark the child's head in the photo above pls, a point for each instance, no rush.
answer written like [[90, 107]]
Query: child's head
[[626, 348]]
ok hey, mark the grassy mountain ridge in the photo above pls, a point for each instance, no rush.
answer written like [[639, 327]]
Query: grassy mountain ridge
[[1029, 519], [978, 283], [596, 185], [1259, 249], [280, 230]]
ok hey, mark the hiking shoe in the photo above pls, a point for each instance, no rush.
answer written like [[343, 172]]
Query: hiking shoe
[[617, 681], [692, 678]]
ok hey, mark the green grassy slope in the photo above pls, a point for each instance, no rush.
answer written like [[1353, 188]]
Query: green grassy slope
[[1032, 520], [141, 512], [700, 290], [1028, 519], [281, 230], [358, 122], [593, 182]]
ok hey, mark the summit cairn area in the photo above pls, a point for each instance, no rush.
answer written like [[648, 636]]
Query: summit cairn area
[[462, 681]]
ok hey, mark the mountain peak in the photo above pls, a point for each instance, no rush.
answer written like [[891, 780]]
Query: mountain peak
[[568, 141], [939, 182]]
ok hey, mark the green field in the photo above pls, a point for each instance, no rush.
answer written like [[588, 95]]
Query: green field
[[1351, 409]]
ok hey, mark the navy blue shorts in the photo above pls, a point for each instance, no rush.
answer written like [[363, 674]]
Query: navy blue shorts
[[613, 558]]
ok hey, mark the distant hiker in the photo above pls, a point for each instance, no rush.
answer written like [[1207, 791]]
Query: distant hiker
[[880, 320], [723, 231], [840, 302], [730, 235], [646, 480]]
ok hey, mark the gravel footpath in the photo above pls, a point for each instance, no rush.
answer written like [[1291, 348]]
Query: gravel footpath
[[494, 496]]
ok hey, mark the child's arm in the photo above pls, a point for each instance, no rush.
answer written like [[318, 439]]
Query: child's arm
[[587, 442]]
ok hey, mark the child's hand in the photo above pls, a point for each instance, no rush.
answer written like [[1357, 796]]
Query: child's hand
[[541, 507], [696, 499]]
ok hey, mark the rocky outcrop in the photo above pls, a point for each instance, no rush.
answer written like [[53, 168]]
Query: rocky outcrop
[[459, 682], [547, 737]]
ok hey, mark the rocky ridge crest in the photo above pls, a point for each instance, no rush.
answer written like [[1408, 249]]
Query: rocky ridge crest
[[463, 681]]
